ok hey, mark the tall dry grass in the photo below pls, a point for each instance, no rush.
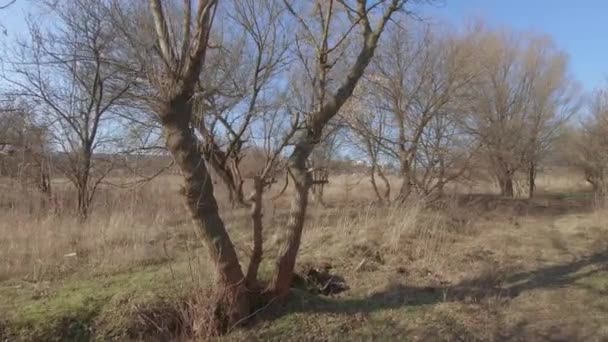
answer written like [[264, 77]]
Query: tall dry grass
[[41, 240], [148, 224], [372, 236]]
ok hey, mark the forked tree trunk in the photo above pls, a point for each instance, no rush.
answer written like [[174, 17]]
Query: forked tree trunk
[[200, 201], [302, 179]]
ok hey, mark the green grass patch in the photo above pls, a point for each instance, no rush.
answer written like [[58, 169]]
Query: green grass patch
[[78, 309]]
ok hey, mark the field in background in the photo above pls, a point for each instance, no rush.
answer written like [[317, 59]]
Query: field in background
[[472, 267]]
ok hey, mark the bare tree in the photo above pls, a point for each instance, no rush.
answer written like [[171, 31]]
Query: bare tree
[[320, 164], [276, 132], [320, 35], [586, 145], [414, 87], [173, 57], [554, 100], [175, 62], [366, 127], [24, 149], [238, 88], [67, 75], [520, 96]]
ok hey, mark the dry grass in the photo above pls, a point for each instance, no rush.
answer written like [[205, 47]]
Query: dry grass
[[126, 228], [468, 268]]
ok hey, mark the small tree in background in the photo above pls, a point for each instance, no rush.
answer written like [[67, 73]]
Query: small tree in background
[[521, 95], [25, 151], [586, 145], [68, 77]]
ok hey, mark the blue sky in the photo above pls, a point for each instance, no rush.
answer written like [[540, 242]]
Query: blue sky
[[578, 27]]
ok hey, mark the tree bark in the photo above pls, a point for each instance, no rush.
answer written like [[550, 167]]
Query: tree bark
[[82, 205], [235, 191], [372, 179], [201, 203], [387, 184], [256, 219], [408, 176], [83, 169], [531, 179], [292, 235], [302, 179], [218, 162], [405, 190], [406, 181]]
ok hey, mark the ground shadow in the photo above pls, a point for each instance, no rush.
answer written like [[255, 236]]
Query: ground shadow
[[474, 290], [443, 326]]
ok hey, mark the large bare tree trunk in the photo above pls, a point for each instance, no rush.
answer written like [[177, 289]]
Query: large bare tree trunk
[[200, 201], [175, 85]]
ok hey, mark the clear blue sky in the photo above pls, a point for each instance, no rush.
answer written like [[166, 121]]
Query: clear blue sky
[[579, 27]]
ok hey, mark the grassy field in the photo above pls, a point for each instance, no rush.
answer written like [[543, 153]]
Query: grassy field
[[474, 267]]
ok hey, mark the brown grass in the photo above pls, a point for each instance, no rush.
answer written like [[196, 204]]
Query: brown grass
[[126, 228], [473, 267]]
